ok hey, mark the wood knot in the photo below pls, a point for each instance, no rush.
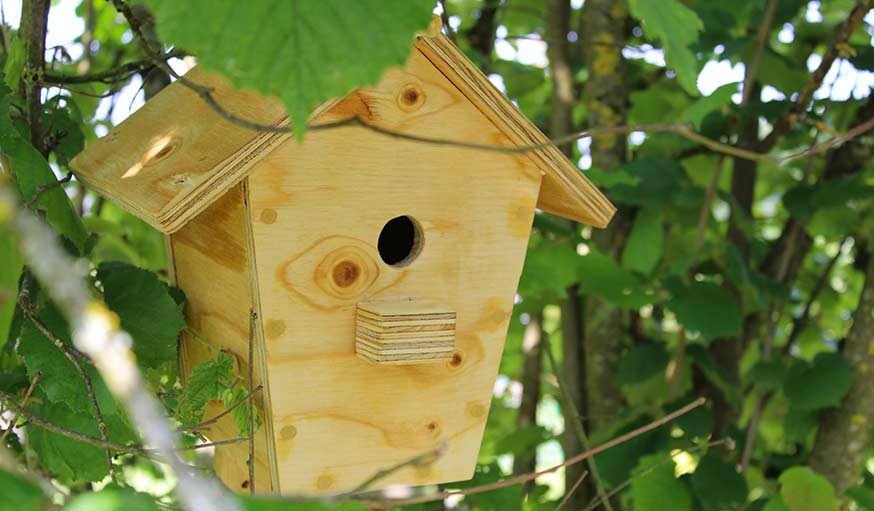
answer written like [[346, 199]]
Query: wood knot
[[411, 97], [456, 360], [346, 273]]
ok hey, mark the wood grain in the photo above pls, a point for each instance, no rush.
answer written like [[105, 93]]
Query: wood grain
[[210, 257], [321, 205]]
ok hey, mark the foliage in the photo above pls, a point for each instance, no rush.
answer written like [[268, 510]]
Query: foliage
[[743, 292], [315, 52]]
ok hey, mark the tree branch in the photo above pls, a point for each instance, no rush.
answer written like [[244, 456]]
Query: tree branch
[[33, 26], [391, 503], [789, 119]]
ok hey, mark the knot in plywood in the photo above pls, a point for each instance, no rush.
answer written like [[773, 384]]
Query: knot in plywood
[[404, 333]]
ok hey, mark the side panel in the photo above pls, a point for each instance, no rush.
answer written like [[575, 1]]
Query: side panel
[[211, 264], [317, 210]]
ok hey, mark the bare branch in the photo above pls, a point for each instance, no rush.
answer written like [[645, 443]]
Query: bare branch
[[213, 420], [789, 119], [253, 316], [761, 40], [416, 461], [45, 187], [15, 417], [110, 76]]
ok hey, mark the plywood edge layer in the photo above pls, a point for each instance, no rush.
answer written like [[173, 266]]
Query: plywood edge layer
[[565, 191]]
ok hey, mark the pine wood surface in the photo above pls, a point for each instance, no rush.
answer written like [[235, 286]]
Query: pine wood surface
[[320, 206], [210, 258]]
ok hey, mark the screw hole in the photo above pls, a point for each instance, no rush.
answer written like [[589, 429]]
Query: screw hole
[[400, 241]]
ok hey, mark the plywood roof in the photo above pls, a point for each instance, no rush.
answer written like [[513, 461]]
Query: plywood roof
[[168, 161]]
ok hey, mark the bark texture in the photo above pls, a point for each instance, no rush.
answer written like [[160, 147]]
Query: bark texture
[[602, 28], [532, 355], [34, 20], [844, 433]]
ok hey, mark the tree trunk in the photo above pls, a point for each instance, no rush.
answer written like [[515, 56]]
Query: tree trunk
[[844, 435], [532, 353], [34, 20], [602, 28]]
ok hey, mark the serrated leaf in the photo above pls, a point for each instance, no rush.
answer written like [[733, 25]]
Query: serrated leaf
[[704, 307], [207, 381], [640, 363], [60, 381], [20, 494], [10, 271], [659, 490], [821, 384], [718, 485], [304, 53], [71, 460], [32, 171], [146, 310], [112, 500], [804, 490], [643, 250], [240, 414], [677, 27]]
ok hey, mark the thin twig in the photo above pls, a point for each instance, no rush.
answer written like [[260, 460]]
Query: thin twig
[[251, 401], [416, 461], [649, 468], [788, 120], [391, 503], [109, 76], [577, 422], [704, 215], [800, 322], [7, 401], [213, 420], [15, 416], [74, 356], [574, 488], [761, 41], [45, 187]]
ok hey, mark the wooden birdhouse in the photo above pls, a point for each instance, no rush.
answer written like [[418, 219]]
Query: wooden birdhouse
[[382, 270]]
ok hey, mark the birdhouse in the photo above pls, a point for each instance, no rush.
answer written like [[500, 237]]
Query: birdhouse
[[382, 270]]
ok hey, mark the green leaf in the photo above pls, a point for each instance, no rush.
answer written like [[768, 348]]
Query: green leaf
[[71, 460], [20, 494], [640, 363], [273, 504], [863, 496], [146, 311], [601, 276], [644, 247], [207, 381], [10, 271], [32, 171], [718, 485], [659, 490], [304, 53], [803, 200], [804, 490], [659, 180], [677, 27], [821, 384], [14, 65], [112, 500], [718, 99], [240, 414], [522, 440], [60, 381], [769, 376], [704, 307]]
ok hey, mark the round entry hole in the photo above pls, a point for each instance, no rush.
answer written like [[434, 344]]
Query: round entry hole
[[400, 241]]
